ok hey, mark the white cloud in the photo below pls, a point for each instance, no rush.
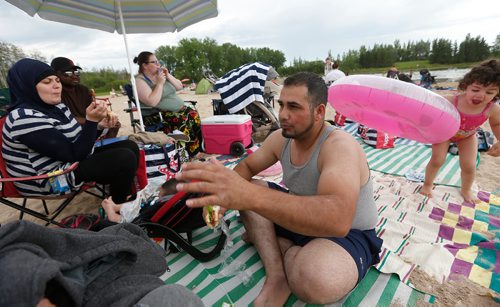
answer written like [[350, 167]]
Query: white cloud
[[305, 29]]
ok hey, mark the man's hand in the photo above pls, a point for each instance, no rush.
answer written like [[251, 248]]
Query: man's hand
[[221, 185]]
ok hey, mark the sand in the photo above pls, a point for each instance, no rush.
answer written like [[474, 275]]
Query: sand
[[461, 292]]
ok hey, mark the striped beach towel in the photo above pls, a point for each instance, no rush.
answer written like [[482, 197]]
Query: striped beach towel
[[406, 156], [242, 86], [237, 276]]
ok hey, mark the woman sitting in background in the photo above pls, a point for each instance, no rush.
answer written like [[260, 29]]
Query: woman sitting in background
[[41, 136], [157, 88]]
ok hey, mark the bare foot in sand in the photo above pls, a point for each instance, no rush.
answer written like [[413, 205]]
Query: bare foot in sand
[[273, 293], [469, 197], [426, 190], [112, 210]]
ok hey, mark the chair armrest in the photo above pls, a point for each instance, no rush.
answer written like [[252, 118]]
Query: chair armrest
[[72, 167]]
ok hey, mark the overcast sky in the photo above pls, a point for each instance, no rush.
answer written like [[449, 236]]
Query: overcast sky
[[305, 29]]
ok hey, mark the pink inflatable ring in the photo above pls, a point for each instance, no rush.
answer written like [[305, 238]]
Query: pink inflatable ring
[[396, 107]]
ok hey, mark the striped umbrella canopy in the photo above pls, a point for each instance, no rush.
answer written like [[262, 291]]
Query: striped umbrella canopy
[[123, 16]]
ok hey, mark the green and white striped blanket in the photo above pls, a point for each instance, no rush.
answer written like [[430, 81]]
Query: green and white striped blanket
[[408, 155], [237, 275]]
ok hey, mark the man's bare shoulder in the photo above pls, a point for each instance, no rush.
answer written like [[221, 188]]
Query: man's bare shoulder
[[274, 142], [340, 145], [340, 137]]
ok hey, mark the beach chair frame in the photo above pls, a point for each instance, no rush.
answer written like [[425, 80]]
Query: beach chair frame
[[8, 192]]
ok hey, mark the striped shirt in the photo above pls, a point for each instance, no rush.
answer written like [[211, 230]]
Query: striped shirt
[[242, 86], [21, 160]]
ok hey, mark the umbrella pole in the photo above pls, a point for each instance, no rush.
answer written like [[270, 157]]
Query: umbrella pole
[[132, 79]]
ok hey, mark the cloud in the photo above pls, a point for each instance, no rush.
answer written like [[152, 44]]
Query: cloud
[[305, 29]]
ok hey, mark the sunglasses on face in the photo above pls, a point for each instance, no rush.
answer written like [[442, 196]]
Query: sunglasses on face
[[72, 73], [154, 62]]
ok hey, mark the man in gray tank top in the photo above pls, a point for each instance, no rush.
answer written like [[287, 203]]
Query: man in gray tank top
[[317, 240]]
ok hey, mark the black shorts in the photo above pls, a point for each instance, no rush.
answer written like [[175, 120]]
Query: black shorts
[[363, 245]]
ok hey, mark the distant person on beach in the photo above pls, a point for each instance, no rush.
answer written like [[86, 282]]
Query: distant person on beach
[[157, 88], [426, 79], [77, 97], [476, 103], [315, 237], [41, 136], [328, 65], [392, 72], [334, 74]]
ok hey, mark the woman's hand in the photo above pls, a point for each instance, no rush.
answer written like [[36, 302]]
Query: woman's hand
[[96, 111], [161, 76], [110, 121]]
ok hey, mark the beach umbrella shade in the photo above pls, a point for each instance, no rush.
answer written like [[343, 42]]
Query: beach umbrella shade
[[123, 16]]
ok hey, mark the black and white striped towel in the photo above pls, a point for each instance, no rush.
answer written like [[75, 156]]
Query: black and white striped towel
[[242, 86]]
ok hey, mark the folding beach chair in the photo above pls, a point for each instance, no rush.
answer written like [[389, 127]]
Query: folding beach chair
[[132, 107], [8, 192]]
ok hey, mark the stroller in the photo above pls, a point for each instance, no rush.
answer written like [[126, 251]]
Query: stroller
[[244, 91]]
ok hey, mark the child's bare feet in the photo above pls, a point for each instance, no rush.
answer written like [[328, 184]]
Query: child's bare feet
[[112, 210], [426, 190], [469, 197]]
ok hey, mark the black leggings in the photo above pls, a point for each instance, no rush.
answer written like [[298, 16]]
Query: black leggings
[[114, 164]]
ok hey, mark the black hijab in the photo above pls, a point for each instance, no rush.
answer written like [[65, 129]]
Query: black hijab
[[22, 79]]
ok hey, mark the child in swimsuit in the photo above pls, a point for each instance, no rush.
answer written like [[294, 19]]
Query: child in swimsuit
[[476, 103]]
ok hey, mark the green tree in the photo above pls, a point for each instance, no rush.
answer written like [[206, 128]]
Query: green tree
[[9, 54], [442, 51], [473, 49], [274, 58], [350, 61], [166, 54], [495, 48]]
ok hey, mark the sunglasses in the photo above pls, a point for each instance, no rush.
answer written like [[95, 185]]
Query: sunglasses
[[153, 62], [72, 73]]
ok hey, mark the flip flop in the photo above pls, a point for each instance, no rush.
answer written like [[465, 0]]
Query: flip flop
[[179, 136], [415, 175]]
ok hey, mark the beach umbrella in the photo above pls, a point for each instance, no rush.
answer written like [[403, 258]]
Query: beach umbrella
[[123, 16]]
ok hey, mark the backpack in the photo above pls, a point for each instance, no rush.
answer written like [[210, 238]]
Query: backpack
[[168, 219]]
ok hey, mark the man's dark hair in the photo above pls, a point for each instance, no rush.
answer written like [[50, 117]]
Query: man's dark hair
[[317, 92], [487, 73]]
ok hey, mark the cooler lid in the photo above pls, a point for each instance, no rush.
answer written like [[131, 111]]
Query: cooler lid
[[226, 119]]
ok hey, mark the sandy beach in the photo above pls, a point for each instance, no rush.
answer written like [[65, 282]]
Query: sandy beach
[[487, 179]]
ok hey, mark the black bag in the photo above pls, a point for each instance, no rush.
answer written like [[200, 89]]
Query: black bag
[[171, 218]]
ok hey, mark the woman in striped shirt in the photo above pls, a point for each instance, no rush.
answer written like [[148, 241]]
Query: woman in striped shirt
[[41, 136]]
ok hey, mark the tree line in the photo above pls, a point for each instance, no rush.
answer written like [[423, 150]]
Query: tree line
[[192, 57], [440, 51]]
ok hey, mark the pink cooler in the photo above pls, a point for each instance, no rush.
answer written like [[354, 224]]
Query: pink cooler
[[227, 134]]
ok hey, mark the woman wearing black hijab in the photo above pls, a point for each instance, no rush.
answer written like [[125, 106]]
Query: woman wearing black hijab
[[41, 136]]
